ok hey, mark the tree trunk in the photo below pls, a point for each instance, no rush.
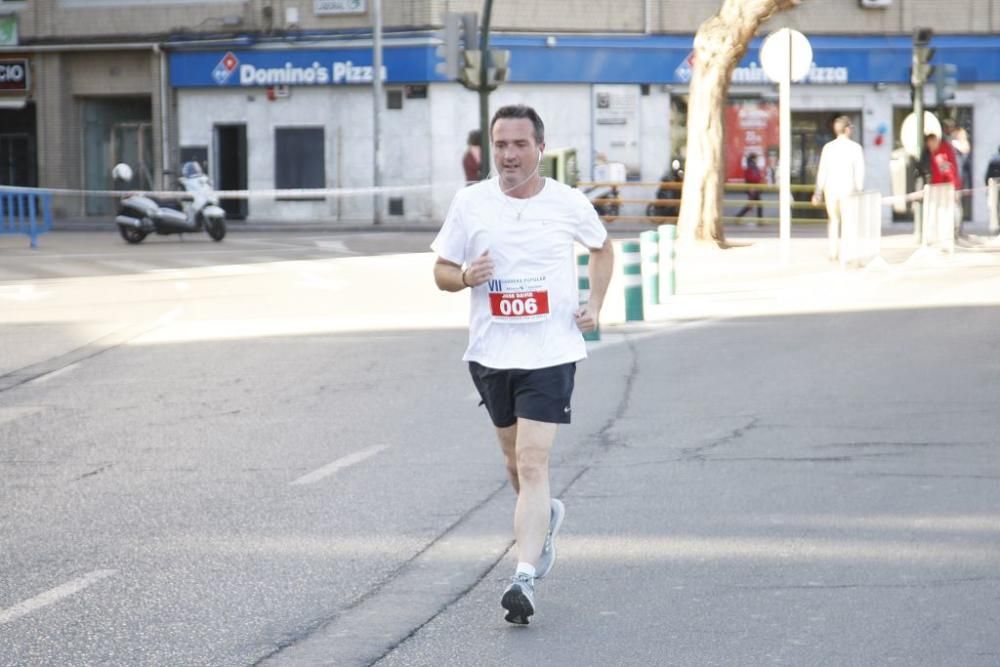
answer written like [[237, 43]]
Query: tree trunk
[[719, 45]]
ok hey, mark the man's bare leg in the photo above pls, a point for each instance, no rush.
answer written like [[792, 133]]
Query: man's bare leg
[[508, 445], [531, 516]]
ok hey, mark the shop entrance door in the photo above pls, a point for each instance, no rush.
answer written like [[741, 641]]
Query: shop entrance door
[[15, 156], [116, 130], [231, 167], [132, 143]]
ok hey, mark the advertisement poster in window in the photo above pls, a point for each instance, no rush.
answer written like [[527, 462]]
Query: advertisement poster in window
[[751, 128]]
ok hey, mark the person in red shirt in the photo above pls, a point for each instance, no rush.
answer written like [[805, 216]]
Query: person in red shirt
[[944, 169], [943, 162], [752, 174], [471, 158]]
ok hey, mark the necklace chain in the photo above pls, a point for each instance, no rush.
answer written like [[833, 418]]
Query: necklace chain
[[519, 211]]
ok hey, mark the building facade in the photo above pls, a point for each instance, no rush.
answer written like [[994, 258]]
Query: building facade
[[277, 94]]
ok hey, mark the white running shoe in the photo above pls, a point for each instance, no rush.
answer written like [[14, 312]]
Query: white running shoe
[[519, 599], [548, 557]]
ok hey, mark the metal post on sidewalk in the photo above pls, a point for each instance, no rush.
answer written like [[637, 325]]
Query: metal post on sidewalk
[[632, 273], [668, 261], [993, 205], [377, 109], [583, 282], [649, 245]]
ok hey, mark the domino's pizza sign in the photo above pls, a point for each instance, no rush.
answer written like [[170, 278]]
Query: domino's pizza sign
[[685, 69], [225, 68]]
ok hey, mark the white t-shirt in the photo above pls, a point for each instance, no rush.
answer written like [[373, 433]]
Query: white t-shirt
[[524, 316]]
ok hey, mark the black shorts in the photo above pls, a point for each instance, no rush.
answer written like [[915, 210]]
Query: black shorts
[[541, 394]]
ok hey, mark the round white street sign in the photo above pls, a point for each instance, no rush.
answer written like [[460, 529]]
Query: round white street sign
[[908, 132], [781, 46]]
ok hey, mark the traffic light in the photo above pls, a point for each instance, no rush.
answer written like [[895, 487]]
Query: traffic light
[[945, 82], [459, 34], [471, 67], [499, 65], [922, 70]]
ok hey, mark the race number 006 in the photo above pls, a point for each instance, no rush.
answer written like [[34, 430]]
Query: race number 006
[[519, 306]]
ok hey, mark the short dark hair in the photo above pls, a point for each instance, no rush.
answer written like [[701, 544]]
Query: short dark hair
[[520, 111], [474, 138]]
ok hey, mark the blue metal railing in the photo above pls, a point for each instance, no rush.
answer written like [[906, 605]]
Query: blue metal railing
[[25, 212]]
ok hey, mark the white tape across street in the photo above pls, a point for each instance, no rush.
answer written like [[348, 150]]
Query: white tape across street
[[54, 595], [291, 193]]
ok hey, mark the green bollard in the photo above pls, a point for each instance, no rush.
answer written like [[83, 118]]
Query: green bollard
[[632, 270], [668, 262], [649, 243], [583, 282]]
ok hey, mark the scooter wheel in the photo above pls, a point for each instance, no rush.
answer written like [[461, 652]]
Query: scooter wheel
[[216, 229], [131, 234]]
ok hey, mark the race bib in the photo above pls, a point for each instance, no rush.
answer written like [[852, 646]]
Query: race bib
[[518, 300]]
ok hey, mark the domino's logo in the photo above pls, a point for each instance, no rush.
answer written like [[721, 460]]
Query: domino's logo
[[225, 68], [685, 69]]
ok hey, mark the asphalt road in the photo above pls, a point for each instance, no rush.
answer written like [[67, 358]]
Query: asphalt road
[[267, 451]]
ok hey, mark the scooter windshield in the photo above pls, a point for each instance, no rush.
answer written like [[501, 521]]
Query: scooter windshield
[[191, 170]]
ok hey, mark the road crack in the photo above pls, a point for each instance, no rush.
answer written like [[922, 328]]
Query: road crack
[[700, 453]]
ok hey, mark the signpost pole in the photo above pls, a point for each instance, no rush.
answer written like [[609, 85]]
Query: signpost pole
[[786, 57], [784, 155], [377, 102]]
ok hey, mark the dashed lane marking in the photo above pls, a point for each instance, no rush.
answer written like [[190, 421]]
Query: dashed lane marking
[[57, 372], [339, 464], [54, 595]]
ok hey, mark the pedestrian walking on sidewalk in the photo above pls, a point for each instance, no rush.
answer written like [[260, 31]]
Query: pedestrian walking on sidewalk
[[841, 173], [510, 241], [944, 168], [753, 175], [471, 158]]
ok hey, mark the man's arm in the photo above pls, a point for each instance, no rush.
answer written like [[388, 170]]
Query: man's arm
[[820, 177], [451, 277], [602, 264], [859, 170]]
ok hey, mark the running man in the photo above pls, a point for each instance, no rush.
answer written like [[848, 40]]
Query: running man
[[509, 240]]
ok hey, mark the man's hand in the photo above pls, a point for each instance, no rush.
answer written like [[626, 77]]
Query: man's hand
[[587, 317], [817, 199], [479, 270]]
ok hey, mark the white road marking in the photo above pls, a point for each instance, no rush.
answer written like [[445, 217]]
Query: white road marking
[[128, 265], [169, 316], [51, 374], [22, 293], [48, 597], [339, 464], [11, 414], [335, 246]]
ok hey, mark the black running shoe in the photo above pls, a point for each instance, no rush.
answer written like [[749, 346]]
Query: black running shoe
[[519, 599]]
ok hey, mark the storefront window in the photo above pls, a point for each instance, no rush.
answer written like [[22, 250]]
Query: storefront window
[[299, 158]]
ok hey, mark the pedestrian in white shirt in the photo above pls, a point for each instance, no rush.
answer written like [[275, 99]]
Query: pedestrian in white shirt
[[841, 173]]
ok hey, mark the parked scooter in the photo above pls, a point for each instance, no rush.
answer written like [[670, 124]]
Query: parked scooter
[[669, 188], [608, 202], [139, 215]]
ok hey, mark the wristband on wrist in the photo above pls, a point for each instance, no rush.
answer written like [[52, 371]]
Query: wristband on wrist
[[464, 271]]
